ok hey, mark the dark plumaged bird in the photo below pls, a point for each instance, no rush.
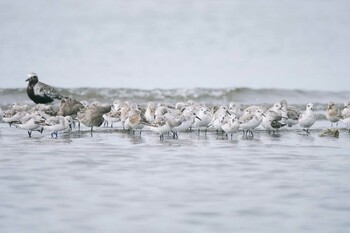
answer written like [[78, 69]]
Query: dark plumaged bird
[[39, 92]]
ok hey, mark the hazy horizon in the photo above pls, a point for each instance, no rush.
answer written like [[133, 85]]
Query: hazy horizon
[[178, 44]]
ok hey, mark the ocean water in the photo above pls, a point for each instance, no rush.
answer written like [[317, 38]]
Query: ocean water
[[113, 181]]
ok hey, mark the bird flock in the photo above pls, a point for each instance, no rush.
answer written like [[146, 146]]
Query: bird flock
[[159, 118]]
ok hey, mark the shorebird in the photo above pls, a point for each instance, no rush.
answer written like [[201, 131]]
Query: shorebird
[[30, 122], [345, 113], [150, 112], [252, 109], [112, 117], [332, 114], [230, 124], [93, 115], [235, 108], [186, 123], [307, 118], [290, 115], [70, 107], [273, 118], [206, 116], [135, 119], [39, 92], [11, 115], [161, 126], [250, 121], [57, 124], [217, 116]]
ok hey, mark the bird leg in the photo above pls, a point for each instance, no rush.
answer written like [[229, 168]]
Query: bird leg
[[30, 133]]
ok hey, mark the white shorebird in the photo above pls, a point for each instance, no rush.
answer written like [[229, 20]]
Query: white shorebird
[[1, 113], [124, 112], [217, 117], [46, 111], [206, 116], [150, 112], [235, 108], [252, 109], [345, 113], [332, 114], [135, 119], [250, 121], [290, 115], [30, 122], [187, 122], [10, 116], [112, 117], [20, 107], [230, 124], [161, 126], [57, 124], [273, 118], [307, 118]]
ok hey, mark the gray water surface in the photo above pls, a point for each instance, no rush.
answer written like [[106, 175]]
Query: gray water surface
[[118, 182]]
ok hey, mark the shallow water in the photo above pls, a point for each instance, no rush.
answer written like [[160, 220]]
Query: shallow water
[[117, 182]]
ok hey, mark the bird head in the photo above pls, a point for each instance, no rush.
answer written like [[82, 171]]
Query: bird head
[[32, 78]]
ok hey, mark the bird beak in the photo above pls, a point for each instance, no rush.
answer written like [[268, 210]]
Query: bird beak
[[263, 114], [27, 80], [228, 113], [199, 118]]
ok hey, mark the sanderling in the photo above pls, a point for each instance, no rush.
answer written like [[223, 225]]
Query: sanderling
[[217, 116], [206, 116], [135, 119], [40, 92], [150, 112], [20, 107], [30, 122], [124, 112], [160, 111], [346, 110], [332, 113], [1, 113], [307, 118], [230, 124], [250, 121], [273, 117], [187, 122], [161, 126], [92, 115], [46, 111], [10, 116], [252, 109], [112, 117], [57, 124], [290, 115], [235, 108], [345, 113]]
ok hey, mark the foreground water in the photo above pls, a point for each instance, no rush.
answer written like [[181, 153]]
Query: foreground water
[[118, 182]]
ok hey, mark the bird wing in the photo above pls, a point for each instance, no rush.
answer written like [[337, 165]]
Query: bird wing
[[246, 118], [44, 90], [293, 114]]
